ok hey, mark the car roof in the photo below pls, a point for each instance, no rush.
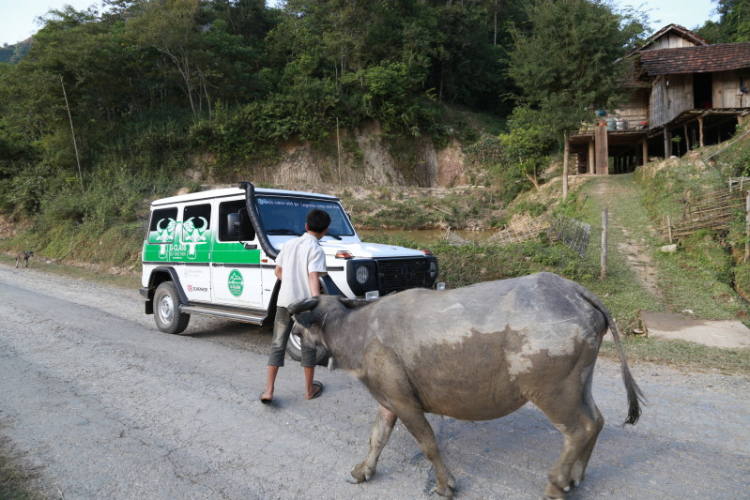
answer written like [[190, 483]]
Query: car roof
[[228, 192]]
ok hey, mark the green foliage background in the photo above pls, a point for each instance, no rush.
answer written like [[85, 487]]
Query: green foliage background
[[151, 87]]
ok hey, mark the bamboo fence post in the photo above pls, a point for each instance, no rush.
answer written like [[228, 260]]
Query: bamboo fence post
[[669, 228], [604, 244]]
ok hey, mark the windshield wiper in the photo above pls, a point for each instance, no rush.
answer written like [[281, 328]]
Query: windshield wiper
[[335, 236], [283, 231]]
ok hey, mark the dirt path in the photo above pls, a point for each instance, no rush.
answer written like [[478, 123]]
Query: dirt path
[[636, 252], [103, 406], [621, 194]]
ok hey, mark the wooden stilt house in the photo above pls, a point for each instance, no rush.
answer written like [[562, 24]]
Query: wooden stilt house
[[684, 93]]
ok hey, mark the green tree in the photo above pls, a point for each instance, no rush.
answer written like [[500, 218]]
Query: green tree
[[170, 27], [527, 144], [733, 25], [565, 62]]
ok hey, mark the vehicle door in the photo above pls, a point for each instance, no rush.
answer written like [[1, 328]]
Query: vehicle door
[[235, 260]]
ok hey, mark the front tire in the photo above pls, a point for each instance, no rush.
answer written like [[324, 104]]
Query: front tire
[[167, 313], [294, 345], [294, 349]]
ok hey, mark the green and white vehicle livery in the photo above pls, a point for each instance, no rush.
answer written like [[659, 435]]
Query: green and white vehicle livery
[[213, 253]]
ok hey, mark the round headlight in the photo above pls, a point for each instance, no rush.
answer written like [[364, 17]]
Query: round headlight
[[363, 274]]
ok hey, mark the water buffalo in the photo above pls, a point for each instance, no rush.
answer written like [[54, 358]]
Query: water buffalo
[[23, 256], [474, 353]]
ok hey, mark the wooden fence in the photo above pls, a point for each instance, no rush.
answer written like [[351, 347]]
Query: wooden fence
[[515, 233], [714, 210], [523, 231]]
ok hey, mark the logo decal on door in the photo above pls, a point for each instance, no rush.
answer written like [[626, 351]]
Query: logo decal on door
[[235, 283]]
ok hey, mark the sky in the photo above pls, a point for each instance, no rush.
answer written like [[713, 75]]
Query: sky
[[18, 17]]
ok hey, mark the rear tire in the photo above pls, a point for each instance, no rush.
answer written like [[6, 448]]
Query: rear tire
[[167, 313]]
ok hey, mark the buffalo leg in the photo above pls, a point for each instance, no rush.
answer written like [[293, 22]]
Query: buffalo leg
[[592, 412], [416, 423], [381, 432], [579, 424]]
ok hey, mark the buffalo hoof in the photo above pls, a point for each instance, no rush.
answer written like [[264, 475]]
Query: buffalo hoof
[[361, 473], [554, 492], [447, 490]]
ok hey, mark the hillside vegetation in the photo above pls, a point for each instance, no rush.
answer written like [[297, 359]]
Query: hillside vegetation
[[110, 109], [360, 100]]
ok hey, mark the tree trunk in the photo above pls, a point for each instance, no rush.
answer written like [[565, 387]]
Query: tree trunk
[[533, 180]]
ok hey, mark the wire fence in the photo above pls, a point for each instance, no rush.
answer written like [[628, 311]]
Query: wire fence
[[571, 232]]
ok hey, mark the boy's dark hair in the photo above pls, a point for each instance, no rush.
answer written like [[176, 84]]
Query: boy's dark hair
[[318, 220]]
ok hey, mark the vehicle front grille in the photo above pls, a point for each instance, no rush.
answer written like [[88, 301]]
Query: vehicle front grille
[[401, 274]]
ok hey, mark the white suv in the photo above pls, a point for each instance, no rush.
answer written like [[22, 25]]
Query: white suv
[[213, 253]]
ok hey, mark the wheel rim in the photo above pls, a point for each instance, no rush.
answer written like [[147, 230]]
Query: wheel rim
[[166, 309], [295, 341]]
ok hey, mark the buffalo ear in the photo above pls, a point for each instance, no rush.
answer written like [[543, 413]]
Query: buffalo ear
[[303, 305], [304, 319]]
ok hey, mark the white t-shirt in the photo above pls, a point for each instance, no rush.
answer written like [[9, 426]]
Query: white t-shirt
[[297, 259]]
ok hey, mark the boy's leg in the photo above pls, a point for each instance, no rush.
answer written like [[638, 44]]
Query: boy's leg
[[311, 390], [281, 329], [309, 356], [270, 381]]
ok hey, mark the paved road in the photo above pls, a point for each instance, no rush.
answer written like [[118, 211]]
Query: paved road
[[106, 407]]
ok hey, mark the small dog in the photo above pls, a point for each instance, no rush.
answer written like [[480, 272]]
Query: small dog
[[23, 256]]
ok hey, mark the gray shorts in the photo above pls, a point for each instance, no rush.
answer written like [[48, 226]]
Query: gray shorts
[[282, 328]]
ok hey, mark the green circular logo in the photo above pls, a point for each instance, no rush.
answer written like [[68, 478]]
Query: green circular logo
[[235, 283]]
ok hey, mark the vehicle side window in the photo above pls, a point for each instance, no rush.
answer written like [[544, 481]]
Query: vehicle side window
[[196, 220], [234, 223], [162, 227]]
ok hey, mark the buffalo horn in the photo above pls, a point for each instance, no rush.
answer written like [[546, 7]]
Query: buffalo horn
[[303, 305]]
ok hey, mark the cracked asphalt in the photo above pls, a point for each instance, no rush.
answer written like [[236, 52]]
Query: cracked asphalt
[[103, 406]]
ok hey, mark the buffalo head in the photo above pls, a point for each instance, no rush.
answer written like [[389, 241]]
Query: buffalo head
[[311, 316]]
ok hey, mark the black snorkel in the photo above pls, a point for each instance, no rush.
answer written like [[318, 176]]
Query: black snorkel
[[252, 212]]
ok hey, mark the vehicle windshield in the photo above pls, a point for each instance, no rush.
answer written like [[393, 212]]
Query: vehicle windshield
[[287, 215]]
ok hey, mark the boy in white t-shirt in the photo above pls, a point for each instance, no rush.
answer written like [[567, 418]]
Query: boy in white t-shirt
[[299, 266]]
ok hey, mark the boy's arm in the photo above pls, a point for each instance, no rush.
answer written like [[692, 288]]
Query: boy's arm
[[313, 279]]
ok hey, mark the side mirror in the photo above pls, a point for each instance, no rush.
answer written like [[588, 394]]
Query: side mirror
[[246, 230], [233, 227], [239, 227]]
